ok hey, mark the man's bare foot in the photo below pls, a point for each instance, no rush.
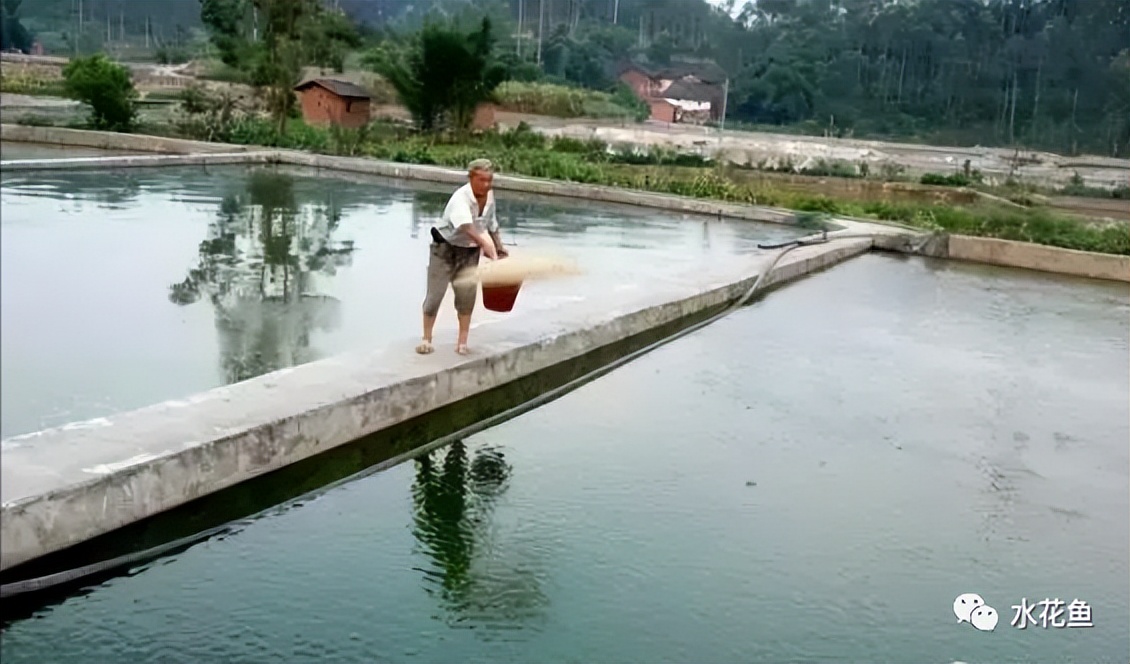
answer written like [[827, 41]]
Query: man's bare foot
[[462, 349], [424, 348]]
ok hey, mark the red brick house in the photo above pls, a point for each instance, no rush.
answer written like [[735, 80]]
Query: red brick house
[[689, 92], [327, 101]]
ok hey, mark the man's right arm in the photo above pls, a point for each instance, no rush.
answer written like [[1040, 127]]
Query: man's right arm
[[484, 242], [461, 218]]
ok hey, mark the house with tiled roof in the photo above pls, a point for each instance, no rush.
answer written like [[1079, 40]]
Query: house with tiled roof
[[683, 91], [329, 101]]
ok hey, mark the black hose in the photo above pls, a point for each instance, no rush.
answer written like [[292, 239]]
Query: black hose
[[69, 576]]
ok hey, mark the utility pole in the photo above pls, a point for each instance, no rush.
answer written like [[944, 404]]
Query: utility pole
[[521, 16], [147, 32], [80, 16], [615, 11], [541, 25], [725, 98]]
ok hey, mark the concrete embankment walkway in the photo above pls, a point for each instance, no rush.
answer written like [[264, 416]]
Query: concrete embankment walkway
[[64, 486]]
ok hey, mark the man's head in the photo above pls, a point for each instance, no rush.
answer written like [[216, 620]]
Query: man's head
[[480, 172]]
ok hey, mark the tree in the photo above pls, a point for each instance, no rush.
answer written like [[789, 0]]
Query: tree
[[1041, 73], [13, 34], [443, 75], [256, 269], [106, 87], [1118, 106], [1034, 72], [328, 38], [271, 40], [226, 23]]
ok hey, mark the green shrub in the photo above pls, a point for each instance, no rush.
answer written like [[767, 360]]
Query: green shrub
[[818, 204], [172, 56], [106, 87], [1077, 187], [622, 95], [952, 180], [592, 150], [657, 156], [833, 168], [254, 131], [560, 101], [522, 136]]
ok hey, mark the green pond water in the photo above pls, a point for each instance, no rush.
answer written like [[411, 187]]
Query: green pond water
[[813, 479], [120, 290]]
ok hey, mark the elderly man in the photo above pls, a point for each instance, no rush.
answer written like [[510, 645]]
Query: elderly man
[[469, 227]]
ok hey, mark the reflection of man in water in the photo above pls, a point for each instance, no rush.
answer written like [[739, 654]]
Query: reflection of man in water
[[452, 507], [469, 227]]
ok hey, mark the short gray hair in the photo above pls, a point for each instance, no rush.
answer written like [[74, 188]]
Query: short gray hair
[[480, 165]]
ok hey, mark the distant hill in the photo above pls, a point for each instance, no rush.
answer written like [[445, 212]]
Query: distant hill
[[63, 15]]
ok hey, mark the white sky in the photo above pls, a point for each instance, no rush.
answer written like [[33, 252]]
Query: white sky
[[737, 5]]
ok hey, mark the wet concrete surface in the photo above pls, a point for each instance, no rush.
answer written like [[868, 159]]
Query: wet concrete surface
[[125, 289]]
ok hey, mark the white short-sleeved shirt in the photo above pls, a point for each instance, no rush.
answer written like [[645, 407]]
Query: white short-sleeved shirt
[[462, 209]]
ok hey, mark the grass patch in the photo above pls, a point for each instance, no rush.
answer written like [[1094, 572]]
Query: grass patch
[[951, 180], [214, 70], [566, 102], [35, 120], [1078, 188], [26, 83]]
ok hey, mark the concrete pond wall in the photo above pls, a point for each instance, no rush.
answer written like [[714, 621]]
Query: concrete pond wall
[[63, 486]]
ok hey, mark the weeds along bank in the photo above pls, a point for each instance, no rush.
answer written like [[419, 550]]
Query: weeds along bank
[[529, 153], [525, 152]]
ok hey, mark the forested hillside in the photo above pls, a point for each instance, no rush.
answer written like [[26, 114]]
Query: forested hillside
[[1050, 74], [57, 16]]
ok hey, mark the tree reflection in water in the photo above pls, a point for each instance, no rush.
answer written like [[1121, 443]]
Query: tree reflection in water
[[427, 210], [258, 266], [476, 583]]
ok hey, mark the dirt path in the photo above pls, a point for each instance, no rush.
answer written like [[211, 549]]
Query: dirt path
[[1108, 208]]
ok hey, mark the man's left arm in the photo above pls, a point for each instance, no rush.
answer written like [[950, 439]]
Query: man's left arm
[[493, 230]]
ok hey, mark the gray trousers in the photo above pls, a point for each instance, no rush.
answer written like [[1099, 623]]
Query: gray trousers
[[444, 264]]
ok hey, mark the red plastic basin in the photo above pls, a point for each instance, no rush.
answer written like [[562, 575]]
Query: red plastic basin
[[500, 298]]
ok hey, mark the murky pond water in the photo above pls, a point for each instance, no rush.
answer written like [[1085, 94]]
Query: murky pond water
[[813, 479], [120, 290]]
